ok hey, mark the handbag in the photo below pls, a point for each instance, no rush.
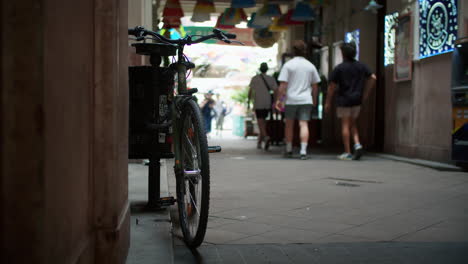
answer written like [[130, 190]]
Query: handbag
[[272, 98], [268, 88]]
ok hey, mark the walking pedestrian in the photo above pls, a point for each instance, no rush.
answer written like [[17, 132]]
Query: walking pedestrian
[[299, 82], [262, 88], [222, 110], [352, 82], [207, 111]]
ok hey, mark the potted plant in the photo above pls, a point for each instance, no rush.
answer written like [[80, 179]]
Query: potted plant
[[242, 115]]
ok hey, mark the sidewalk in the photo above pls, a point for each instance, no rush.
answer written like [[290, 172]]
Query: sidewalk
[[150, 231], [268, 209]]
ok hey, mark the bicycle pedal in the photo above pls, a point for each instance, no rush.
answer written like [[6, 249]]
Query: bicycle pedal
[[166, 201], [213, 149]]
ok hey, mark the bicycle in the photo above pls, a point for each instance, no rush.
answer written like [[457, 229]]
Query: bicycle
[[184, 121]]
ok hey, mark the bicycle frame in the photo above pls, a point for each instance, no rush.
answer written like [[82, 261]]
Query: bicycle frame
[[182, 94]]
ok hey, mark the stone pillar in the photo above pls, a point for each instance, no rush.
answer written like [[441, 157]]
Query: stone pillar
[[63, 131], [110, 131], [22, 179]]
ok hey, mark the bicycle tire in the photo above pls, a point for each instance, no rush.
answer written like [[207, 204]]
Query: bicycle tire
[[191, 206]]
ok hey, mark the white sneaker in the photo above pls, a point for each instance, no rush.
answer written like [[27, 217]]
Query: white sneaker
[[345, 156]]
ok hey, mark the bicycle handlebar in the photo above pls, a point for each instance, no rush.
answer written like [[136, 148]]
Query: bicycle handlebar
[[140, 32]]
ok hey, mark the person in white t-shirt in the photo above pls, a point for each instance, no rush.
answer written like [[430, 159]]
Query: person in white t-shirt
[[299, 82]]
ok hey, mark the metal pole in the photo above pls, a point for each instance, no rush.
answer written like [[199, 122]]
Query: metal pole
[[154, 182], [379, 129]]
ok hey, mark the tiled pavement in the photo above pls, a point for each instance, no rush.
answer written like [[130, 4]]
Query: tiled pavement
[[267, 209], [328, 253]]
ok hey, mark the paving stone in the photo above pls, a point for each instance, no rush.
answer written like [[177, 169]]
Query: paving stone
[[248, 228], [217, 236], [368, 253], [423, 209], [293, 235]]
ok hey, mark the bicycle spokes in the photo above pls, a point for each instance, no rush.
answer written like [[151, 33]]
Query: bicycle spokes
[[192, 174]]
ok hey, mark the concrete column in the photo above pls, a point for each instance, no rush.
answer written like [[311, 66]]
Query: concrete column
[[110, 131], [140, 13], [63, 131], [22, 179]]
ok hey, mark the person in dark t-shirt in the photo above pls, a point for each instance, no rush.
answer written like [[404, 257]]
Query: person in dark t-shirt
[[351, 82]]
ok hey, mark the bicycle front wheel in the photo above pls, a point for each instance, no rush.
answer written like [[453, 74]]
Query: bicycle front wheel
[[193, 183]]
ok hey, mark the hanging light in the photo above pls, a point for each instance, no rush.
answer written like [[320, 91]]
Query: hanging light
[[270, 10], [172, 13], [230, 17], [220, 23], [199, 16], [242, 3], [173, 9], [171, 22], [373, 6], [202, 10], [277, 25], [303, 12], [241, 15], [258, 21], [288, 19], [206, 6]]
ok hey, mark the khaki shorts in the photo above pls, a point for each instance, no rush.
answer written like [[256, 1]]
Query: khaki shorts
[[352, 111]]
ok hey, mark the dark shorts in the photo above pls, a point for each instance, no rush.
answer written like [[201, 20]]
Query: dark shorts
[[262, 113], [298, 112]]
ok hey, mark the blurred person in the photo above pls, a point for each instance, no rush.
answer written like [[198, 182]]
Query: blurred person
[[352, 81], [222, 110], [261, 91], [207, 106], [299, 82]]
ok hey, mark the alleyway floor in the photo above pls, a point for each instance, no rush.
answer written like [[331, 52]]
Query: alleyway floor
[[268, 209]]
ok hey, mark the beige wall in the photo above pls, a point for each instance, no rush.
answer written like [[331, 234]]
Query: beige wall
[[463, 17], [418, 112], [64, 115], [140, 13]]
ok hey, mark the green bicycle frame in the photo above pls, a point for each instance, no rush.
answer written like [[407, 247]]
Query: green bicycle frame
[[176, 108]]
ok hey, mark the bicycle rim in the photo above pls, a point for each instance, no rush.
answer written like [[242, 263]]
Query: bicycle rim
[[193, 184]]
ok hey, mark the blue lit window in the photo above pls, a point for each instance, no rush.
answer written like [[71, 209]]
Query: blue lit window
[[389, 38], [353, 36], [438, 25]]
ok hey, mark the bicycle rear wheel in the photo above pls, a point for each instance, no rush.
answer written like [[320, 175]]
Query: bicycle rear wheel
[[193, 181]]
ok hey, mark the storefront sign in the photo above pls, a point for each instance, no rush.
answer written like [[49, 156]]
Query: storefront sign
[[403, 49], [353, 36], [438, 26], [389, 38]]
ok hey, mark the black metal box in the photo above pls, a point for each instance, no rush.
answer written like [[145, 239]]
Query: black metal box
[[151, 89]]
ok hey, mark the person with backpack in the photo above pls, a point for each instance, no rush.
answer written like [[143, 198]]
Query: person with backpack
[[262, 88]]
